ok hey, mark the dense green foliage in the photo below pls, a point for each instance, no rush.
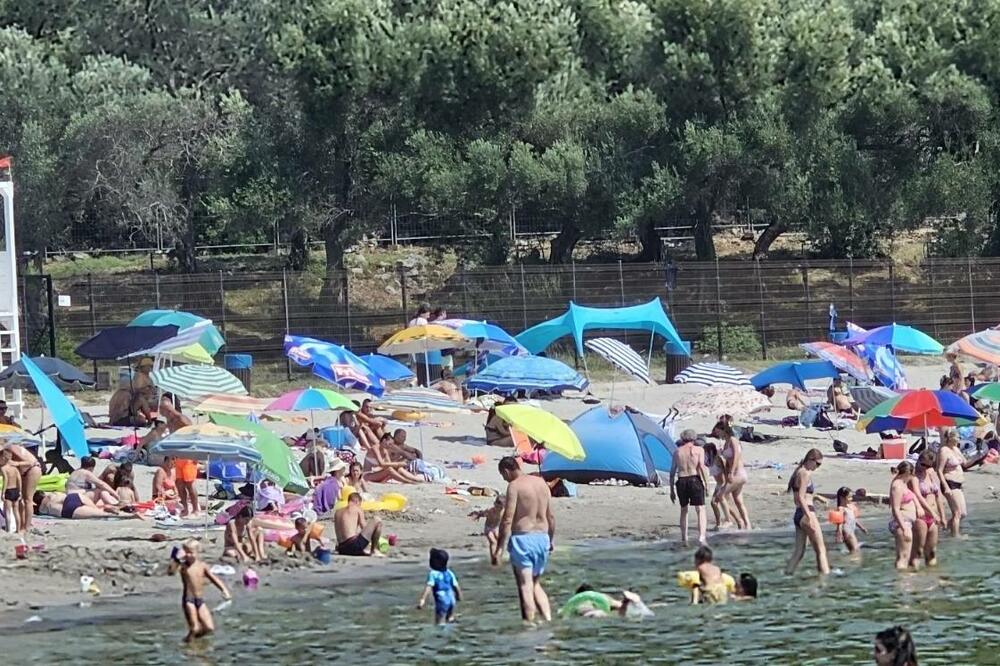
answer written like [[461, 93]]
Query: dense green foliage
[[225, 120]]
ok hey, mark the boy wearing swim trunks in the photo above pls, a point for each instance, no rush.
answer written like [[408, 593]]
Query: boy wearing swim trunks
[[441, 582], [11, 489], [355, 535], [194, 573]]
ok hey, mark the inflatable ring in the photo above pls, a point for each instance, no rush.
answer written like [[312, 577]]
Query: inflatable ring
[[692, 579], [597, 600], [404, 415]]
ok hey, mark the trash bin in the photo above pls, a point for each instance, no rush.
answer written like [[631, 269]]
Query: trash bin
[[240, 365], [837, 337], [678, 358]]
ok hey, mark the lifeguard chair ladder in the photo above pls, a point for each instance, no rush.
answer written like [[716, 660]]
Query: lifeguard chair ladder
[[10, 336]]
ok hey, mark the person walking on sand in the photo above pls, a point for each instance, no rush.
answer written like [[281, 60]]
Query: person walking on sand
[[688, 480], [736, 473], [807, 527], [194, 573], [527, 530]]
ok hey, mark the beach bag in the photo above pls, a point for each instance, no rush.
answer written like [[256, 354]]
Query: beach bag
[[822, 420]]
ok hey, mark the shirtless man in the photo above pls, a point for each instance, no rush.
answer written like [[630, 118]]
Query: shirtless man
[[840, 399], [528, 531], [354, 534], [688, 481], [399, 443], [194, 573], [243, 541]]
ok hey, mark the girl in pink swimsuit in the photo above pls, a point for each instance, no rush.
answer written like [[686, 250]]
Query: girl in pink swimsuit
[[925, 532], [905, 511]]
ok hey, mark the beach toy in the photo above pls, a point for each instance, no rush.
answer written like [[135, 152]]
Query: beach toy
[[478, 459], [596, 600], [21, 551], [404, 415], [323, 555], [393, 539], [250, 579], [835, 516], [53, 483], [87, 584], [391, 502], [383, 545]]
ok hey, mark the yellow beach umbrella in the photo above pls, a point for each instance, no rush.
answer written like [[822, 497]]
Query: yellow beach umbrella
[[544, 428], [424, 338]]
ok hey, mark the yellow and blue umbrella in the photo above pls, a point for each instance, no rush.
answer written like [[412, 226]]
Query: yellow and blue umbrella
[[210, 339]]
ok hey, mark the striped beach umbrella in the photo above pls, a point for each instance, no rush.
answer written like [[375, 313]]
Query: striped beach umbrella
[[712, 374], [193, 381], [527, 373], [620, 355], [239, 405], [307, 400], [841, 357], [421, 399], [982, 346], [208, 441], [919, 410]]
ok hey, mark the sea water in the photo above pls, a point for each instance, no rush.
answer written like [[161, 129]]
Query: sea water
[[951, 611]]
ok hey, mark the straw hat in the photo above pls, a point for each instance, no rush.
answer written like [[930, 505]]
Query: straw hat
[[337, 465]]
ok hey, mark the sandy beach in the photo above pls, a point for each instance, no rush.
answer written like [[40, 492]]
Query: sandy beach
[[122, 559]]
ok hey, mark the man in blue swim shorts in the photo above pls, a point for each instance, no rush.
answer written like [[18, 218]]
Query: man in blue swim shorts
[[527, 530]]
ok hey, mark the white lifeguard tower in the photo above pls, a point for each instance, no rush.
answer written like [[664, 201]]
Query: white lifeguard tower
[[10, 337]]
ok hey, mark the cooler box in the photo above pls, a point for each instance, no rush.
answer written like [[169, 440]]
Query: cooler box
[[240, 365], [678, 359], [892, 449]]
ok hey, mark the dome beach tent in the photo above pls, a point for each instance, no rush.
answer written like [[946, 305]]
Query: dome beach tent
[[624, 445]]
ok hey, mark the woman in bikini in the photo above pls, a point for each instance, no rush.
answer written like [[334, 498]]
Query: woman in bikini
[[85, 482], [717, 469], [73, 505], [380, 468], [164, 481], [736, 473], [951, 466], [31, 471], [905, 511], [807, 527], [925, 530]]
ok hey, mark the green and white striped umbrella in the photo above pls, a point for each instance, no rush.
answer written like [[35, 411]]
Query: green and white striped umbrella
[[192, 381]]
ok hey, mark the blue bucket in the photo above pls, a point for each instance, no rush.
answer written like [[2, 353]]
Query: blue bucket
[[323, 555]]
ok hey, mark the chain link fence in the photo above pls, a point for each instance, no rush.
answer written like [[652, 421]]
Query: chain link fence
[[724, 308]]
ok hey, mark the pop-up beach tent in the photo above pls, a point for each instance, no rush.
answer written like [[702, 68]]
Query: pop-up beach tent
[[578, 318], [623, 445]]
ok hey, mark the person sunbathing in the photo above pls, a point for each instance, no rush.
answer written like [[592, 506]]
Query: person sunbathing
[[367, 419], [363, 434], [77, 506], [497, 430], [796, 400], [165, 480], [379, 467], [840, 399], [449, 386], [124, 485], [83, 481]]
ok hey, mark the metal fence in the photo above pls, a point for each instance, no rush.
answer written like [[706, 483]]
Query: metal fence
[[755, 306]]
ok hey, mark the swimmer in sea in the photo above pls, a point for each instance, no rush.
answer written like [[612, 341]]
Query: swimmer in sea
[[712, 588], [588, 602], [807, 527], [194, 573]]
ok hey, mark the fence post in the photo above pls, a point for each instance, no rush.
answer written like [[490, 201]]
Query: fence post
[[763, 319], [222, 301], [93, 316], [933, 297], [404, 300], [972, 296], [850, 284], [718, 309], [805, 286], [156, 283], [892, 290], [347, 307], [52, 316], [465, 294], [524, 301], [621, 282], [284, 298], [573, 268]]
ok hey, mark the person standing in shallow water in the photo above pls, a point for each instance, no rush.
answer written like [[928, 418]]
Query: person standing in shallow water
[[527, 529], [807, 527], [688, 481]]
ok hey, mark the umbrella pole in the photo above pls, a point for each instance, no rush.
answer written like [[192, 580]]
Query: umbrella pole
[[315, 440], [208, 480], [614, 376]]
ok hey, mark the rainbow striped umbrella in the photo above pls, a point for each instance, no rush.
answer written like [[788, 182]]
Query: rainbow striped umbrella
[[919, 410], [307, 400]]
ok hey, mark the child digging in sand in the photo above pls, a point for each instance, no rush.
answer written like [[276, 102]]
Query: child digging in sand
[[491, 528], [194, 573], [442, 582], [11, 490]]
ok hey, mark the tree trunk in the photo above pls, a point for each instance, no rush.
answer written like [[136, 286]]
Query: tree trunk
[[767, 237], [652, 246], [704, 243], [298, 252], [561, 247], [335, 245]]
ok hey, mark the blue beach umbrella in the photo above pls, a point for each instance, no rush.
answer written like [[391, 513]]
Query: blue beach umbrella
[[210, 339], [899, 337], [334, 363], [62, 374], [488, 337], [124, 341], [388, 368], [530, 373], [65, 415], [795, 373]]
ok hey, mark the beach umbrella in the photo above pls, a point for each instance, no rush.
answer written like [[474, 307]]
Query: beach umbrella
[[65, 415], [870, 396], [795, 373], [277, 461], [529, 373], [621, 356], [209, 337], [919, 410], [488, 337], [422, 339], [989, 391], [239, 405], [982, 346], [842, 358], [387, 368], [208, 441], [62, 374], [737, 401], [712, 374], [544, 428], [309, 400], [899, 337], [334, 363], [421, 399], [193, 381], [124, 341]]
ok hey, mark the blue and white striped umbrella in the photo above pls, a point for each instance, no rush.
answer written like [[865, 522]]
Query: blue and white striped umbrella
[[620, 355], [195, 381], [208, 441], [712, 374], [528, 373], [421, 399]]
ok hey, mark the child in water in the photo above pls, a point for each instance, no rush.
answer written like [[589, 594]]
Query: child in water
[[848, 521], [442, 582], [194, 573], [491, 529], [712, 588]]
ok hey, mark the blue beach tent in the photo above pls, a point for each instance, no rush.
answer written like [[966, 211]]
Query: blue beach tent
[[626, 445], [646, 317]]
